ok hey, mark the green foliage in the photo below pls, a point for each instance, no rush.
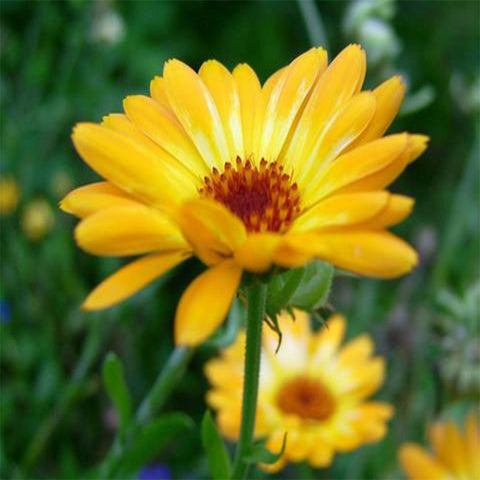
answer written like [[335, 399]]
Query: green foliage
[[58, 68], [151, 440], [114, 380], [259, 454], [217, 455]]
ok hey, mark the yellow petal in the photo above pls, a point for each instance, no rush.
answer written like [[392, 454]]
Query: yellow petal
[[290, 254], [256, 253], [347, 124], [357, 165], [366, 379], [371, 420], [213, 231], [356, 350], [196, 111], [131, 278], [205, 303], [325, 343], [389, 96], [419, 465], [340, 81], [321, 454], [472, 443], [120, 123], [448, 446], [341, 210], [128, 230], [260, 112], [84, 201], [376, 254], [286, 99], [249, 89], [158, 93], [130, 165], [223, 89], [398, 208], [162, 127], [381, 178]]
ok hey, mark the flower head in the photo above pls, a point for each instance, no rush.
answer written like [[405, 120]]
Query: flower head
[[37, 219], [455, 453], [313, 389], [245, 176]]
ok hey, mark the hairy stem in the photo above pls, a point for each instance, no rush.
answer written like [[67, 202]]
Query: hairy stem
[[256, 297]]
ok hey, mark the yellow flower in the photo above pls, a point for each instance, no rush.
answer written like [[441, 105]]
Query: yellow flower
[[313, 389], [37, 219], [245, 176], [9, 195], [455, 453]]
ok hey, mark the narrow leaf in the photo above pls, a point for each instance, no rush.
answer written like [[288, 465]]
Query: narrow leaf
[[114, 380], [218, 459]]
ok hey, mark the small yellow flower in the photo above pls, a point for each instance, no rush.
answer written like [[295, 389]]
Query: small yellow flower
[[313, 389], [37, 219], [9, 195], [245, 176], [456, 454]]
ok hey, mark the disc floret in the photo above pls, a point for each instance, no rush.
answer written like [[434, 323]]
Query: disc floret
[[263, 197]]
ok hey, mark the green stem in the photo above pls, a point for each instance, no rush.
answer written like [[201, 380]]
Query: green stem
[[256, 297], [313, 22], [174, 369]]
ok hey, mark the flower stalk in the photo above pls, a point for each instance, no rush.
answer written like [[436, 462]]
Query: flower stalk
[[256, 296]]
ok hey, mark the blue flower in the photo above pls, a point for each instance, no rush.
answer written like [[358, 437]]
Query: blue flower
[[156, 471], [5, 311]]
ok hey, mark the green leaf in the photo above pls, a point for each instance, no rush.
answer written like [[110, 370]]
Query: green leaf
[[259, 454], [150, 441], [313, 291], [306, 288], [217, 455], [114, 380], [281, 288]]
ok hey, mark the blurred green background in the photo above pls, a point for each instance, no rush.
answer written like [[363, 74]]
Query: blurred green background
[[71, 61]]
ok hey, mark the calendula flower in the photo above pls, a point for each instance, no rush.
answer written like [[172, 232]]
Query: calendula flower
[[244, 177], [9, 195], [37, 219], [455, 453], [313, 389]]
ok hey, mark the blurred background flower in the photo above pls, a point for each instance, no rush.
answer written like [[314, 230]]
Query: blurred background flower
[[157, 471], [455, 452], [314, 388], [9, 195], [37, 219]]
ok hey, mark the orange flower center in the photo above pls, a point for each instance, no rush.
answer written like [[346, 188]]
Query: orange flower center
[[264, 197], [306, 397]]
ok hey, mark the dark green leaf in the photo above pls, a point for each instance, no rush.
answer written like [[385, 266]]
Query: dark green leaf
[[259, 454], [114, 380], [151, 439], [217, 455]]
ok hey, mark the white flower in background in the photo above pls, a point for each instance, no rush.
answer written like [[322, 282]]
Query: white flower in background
[[108, 27]]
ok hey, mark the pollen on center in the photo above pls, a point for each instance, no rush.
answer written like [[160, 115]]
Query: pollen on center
[[263, 197]]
